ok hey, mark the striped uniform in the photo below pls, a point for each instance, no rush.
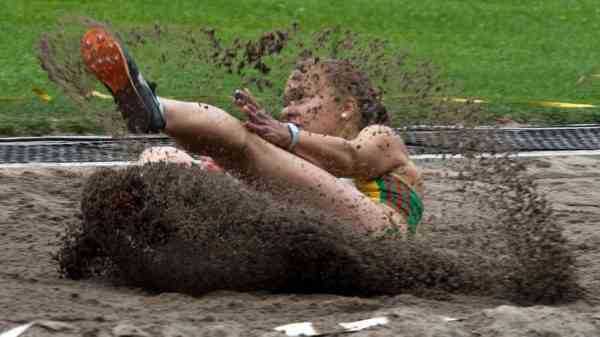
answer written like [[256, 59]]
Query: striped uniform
[[393, 191]]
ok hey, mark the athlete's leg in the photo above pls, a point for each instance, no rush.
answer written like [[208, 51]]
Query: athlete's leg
[[207, 130]]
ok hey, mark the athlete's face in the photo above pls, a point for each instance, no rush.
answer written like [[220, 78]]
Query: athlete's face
[[311, 102]]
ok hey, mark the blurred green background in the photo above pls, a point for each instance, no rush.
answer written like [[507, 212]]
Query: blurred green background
[[506, 52]]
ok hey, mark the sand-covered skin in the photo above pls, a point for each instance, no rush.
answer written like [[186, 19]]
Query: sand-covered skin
[[37, 205]]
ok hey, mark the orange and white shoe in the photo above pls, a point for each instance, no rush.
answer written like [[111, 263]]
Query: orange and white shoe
[[109, 61]]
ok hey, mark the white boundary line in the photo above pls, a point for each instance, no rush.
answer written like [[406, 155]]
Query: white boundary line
[[415, 157], [424, 128], [80, 138], [518, 154], [66, 165]]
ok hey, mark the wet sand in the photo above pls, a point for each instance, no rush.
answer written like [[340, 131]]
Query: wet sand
[[37, 205]]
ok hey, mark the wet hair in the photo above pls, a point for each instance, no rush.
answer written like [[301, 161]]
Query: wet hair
[[347, 80]]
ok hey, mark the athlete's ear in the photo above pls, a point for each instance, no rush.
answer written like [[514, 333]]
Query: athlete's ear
[[349, 109]]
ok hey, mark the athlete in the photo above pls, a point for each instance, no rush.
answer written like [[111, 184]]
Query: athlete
[[333, 125]]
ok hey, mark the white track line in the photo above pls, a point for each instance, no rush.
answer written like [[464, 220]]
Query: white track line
[[66, 165], [518, 154], [417, 157], [81, 138], [421, 128]]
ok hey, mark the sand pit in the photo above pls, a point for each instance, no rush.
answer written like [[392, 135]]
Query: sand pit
[[37, 205]]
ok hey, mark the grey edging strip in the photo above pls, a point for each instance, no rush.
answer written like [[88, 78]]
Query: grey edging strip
[[417, 158], [66, 165], [418, 128], [80, 138]]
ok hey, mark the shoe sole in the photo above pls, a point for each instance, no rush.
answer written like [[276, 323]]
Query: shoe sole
[[104, 57]]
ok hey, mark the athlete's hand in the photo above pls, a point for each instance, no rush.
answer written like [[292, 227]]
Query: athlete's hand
[[260, 122]]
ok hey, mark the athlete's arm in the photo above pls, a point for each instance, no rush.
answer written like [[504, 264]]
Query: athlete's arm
[[376, 150]]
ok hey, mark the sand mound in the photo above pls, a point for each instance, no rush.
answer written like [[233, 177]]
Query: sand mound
[[174, 229], [169, 228]]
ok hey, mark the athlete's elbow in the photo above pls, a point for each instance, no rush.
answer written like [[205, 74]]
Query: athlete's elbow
[[338, 163], [350, 163]]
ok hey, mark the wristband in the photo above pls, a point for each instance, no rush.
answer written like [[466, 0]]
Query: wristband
[[295, 133]]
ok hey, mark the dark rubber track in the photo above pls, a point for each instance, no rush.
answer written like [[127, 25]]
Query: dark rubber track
[[420, 141]]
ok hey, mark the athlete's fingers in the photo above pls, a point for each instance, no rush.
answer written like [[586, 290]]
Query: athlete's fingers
[[250, 113], [243, 97], [239, 98], [256, 128], [245, 109], [252, 108], [257, 117], [249, 96]]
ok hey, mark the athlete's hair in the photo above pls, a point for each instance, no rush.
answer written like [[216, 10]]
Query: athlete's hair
[[347, 80]]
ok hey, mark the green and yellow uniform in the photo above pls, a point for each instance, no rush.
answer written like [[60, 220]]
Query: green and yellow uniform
[[392, 190]]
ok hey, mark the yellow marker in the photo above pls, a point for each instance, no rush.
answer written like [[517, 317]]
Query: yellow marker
[[45, 97], [41, 94], [547, 104], [562, 105], [100, 95], [105, 96], [465, 100]]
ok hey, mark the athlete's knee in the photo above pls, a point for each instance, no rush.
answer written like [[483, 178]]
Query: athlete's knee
[[165, 154]]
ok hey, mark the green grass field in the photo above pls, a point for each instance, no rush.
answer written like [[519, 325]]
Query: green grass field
[[506, 51]]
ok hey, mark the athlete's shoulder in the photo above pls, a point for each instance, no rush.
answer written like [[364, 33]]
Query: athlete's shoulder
[[378, 130]]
